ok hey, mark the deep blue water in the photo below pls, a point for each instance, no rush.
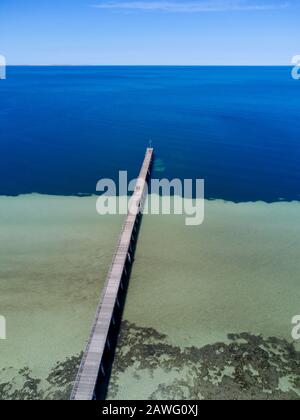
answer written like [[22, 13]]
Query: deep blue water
[[63, 128]]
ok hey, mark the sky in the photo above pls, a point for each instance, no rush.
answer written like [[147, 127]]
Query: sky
[[149, 32]]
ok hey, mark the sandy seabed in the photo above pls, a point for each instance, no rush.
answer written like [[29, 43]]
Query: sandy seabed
[[54, 256], [208, 313], [209, 308]]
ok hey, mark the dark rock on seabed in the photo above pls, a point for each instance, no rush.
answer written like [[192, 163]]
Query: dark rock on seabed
[[246, 367], [22, 385]]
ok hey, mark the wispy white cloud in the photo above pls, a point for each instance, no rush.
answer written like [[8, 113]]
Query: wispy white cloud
[[195, 6]]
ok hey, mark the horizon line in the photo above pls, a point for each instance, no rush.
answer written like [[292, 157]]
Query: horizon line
[[149, 65]]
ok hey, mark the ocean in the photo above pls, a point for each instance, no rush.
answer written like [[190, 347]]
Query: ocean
[[64, 128], [209, 308]]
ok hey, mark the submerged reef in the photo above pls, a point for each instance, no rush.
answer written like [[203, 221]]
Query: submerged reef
[[23, 385], [246, 367]]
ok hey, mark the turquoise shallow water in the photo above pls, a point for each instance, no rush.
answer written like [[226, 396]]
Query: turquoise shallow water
[[209, 309], [226, 288], [54, 255]]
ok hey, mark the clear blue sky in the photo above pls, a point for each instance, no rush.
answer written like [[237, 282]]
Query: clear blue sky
[[183, 32]]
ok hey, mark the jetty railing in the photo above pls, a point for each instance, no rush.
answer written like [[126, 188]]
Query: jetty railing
[[94, 372]]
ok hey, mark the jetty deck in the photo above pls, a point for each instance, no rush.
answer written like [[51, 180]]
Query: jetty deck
[[93, 376]]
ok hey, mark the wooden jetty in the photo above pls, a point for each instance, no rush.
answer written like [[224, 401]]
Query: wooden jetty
[[94, 372]]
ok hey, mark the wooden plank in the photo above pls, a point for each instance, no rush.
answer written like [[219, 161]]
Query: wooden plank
[[85, 384]]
